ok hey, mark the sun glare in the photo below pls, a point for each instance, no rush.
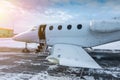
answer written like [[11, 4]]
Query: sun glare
[[2, 13], [5, 8]]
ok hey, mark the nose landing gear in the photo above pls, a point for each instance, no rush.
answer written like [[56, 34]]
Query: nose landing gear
[[26, 50]]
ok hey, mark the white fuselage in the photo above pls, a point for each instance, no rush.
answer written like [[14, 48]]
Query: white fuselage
[[83, 37], [68, 40], [29, 36], [86, 36]]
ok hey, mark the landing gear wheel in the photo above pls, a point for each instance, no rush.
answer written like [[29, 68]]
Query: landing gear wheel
[[25, 50]]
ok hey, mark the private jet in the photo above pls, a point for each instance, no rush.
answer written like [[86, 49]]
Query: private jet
[[68, 41]]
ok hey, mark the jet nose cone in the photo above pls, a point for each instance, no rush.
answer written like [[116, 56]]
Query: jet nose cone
[[16, 38], [20, 37], [27, 36]]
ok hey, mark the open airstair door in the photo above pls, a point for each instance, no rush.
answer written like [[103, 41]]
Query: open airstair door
[[42, 42], [41, 32], [71, 55]]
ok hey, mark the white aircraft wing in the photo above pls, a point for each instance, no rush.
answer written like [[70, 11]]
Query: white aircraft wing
[[71, 55]]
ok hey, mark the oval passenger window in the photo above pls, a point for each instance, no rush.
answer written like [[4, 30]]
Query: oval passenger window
[[59, 27], [69, 27], [51, 28], [79, 26]]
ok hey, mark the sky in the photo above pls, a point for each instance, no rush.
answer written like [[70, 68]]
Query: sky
[[24, 14]]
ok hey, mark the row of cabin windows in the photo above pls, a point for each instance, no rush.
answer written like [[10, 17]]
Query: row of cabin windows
[[79, 26]]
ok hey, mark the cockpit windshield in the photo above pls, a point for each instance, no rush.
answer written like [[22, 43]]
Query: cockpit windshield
[[34, 28]]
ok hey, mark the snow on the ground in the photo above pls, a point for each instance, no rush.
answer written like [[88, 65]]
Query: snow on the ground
[[35, 64], [8, 42], [15, 76], [38, 76], [6, 67], [3, 58]]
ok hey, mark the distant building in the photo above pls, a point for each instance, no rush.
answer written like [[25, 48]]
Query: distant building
[[6, 32]]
